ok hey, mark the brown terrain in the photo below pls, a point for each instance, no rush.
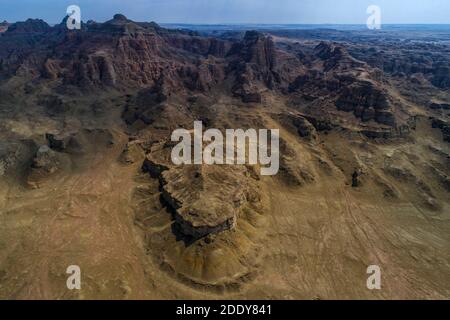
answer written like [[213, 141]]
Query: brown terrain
[[86, 178]]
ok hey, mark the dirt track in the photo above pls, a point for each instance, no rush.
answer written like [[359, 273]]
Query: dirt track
[[319, 241]]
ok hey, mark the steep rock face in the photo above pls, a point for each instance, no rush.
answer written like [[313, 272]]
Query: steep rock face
[[349, 84], [258, 49], [439, 106], [203, 199], [202, 76], [142, 59], [21, 52], [441, 76], [204, 202], [389, 62], [257, 65], [254, 60], [58, 142], [80, 141], [151, 105], [198, 45], [443, 126], [114, 58], [315, 83], [121, 54], [94, 70], [335, 56], [117, 53], [367, 102], [430, 61], [299, 124], [206, 199]]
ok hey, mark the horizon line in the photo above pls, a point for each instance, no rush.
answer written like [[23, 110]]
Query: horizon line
[[249, 23], [240, 23]]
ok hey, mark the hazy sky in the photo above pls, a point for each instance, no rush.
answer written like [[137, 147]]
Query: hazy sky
[[233, 11]]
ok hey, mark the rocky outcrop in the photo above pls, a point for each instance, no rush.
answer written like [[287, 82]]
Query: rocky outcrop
[[45, 165], [350, 84], [4, 26], [378, 134], [58, 142], [335, 57], [204, 199], [80, 141], [154, 168], [253, 63], [300, 125], [429, 62], [198, 45], [117, 53], [355, 178], [53, 104], [304, 128], [46, 159], [148, 104], [161, 64], [132, 153], [29, 26], [118, 25], [439, 106], [441, 76], [15, 155], [258, 49], [367, 102], [94, 70], [443, 126], [258, 65], [203, 76]]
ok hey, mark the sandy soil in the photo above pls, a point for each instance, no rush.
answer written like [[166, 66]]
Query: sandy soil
[[317, 240]]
